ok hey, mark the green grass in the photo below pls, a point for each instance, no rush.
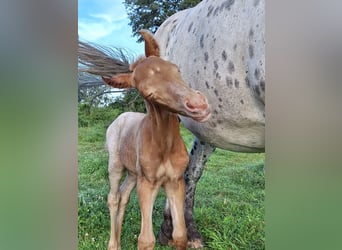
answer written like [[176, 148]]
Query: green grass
[[229, 206]]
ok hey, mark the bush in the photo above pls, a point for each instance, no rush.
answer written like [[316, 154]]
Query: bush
[[103, 115], [96, 115], [93, 115], [130, 101], [83, 115]]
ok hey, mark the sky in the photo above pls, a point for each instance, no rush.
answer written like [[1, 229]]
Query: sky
[[106, 22]]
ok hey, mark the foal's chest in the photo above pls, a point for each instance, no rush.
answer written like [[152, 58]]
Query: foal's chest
[[164, 167]]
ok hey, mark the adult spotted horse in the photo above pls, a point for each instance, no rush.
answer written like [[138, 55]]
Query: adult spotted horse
[[219, 47]]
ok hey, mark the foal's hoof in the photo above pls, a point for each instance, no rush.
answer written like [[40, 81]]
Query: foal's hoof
[[112, 247], [195, 240]]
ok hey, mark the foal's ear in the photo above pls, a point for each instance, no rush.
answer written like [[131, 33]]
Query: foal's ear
[[151, 45], [121, 81]]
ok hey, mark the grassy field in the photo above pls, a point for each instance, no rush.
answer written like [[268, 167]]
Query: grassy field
[[229, 206]]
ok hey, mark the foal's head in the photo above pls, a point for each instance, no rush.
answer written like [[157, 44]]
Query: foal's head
[[160, 82]]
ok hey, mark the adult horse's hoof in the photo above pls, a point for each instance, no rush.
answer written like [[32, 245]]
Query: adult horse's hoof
[[194, 238], [196, 244], [164, 240]]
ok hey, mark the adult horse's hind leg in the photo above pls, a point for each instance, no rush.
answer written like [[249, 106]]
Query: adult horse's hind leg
[[115, 170], [165, 232], [198, 156], [125, 191]]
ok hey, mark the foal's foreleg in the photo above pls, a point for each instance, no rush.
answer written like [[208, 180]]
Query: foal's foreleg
[[199, 154], [147, 193], [175, 191]]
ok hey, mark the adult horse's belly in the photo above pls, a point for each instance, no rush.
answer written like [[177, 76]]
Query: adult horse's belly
[[240, 137]]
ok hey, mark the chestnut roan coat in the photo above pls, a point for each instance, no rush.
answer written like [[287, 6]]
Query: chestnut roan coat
[[149, 146]]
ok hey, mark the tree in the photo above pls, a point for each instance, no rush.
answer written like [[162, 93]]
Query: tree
[[130, 101], [150, 14]]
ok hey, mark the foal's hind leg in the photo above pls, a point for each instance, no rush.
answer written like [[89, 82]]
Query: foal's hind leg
[[125, 191], [115, 170]]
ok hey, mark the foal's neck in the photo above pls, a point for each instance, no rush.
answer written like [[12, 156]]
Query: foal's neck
[[164, 126]]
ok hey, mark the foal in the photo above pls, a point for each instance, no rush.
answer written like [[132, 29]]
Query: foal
[[149, 146]]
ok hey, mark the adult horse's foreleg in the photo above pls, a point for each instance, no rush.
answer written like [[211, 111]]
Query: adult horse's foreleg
[[198, 156]]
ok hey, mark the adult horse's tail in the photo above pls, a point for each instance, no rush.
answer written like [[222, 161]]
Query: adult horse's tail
[[102, 61]]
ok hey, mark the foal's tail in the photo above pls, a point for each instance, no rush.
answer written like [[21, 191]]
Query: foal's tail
[[101, 60]]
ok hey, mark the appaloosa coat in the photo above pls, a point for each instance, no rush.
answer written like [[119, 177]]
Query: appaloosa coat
[[219, 47]]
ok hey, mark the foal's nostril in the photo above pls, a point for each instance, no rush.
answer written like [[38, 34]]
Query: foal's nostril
[[197, 103], [203, 102], [200, 95], [189, 106]]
